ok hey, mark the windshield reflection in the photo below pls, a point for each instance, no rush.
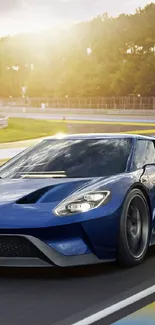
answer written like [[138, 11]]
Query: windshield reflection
[[71, 158]]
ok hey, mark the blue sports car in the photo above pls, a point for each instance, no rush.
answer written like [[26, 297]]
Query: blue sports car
[[77, 200]]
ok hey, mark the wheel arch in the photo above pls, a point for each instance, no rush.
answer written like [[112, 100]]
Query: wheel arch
[[142, 188]]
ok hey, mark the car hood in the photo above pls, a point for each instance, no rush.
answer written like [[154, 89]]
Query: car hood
[[13, 190]]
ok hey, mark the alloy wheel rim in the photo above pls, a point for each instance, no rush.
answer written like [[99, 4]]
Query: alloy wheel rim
[[137, 227]]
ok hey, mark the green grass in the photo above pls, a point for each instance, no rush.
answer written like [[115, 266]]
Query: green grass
[[24, 129], [2, 161]]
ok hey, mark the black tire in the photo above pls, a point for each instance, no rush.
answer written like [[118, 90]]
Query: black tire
[[135, 229]]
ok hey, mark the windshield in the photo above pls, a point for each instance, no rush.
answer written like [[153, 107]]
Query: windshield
[[71, 158]]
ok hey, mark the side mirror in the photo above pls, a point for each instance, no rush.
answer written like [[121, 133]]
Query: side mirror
[[147, 165]]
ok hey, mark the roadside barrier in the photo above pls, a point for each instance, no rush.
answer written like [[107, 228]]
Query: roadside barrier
[[3, 122]]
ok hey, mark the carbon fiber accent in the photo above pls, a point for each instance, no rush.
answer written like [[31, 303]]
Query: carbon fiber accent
[[16, 246]]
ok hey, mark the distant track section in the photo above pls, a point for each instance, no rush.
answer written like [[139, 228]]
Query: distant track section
[[82, 117]]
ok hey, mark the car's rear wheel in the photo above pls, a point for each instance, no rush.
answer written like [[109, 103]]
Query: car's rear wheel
[[135, 227]]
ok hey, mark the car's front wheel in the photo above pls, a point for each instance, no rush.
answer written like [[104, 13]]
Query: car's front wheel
[[134, 236]]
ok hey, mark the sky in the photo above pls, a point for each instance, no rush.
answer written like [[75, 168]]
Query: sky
[[31, 15]]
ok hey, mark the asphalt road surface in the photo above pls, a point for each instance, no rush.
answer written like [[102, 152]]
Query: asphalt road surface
[[66, 296]]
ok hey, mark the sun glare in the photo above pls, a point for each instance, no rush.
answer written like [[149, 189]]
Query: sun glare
[[60, 135], [28, 23]]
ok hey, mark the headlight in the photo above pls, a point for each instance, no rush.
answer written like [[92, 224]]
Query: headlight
[[82, 203]]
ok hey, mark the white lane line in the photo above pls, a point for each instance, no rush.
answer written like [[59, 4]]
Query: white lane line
[[116, 307]]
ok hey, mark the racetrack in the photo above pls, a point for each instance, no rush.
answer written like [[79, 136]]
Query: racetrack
[[66, 296]]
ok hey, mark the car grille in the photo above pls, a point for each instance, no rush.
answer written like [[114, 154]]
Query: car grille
[[16, 246]]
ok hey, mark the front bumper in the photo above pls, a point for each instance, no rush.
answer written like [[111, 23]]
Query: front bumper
[[29, 251]]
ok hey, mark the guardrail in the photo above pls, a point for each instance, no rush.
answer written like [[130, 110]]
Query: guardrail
[[3, 122]]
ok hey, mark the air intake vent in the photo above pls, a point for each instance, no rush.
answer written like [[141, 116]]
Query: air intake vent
[[16, 246], [33, 197]]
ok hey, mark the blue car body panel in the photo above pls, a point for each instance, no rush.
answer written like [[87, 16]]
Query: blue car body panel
[[26, 209]]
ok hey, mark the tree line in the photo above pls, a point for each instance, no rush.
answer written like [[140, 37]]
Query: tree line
[[105, 56]]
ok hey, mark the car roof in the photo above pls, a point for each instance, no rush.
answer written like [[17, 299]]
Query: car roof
[[98, 136]]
